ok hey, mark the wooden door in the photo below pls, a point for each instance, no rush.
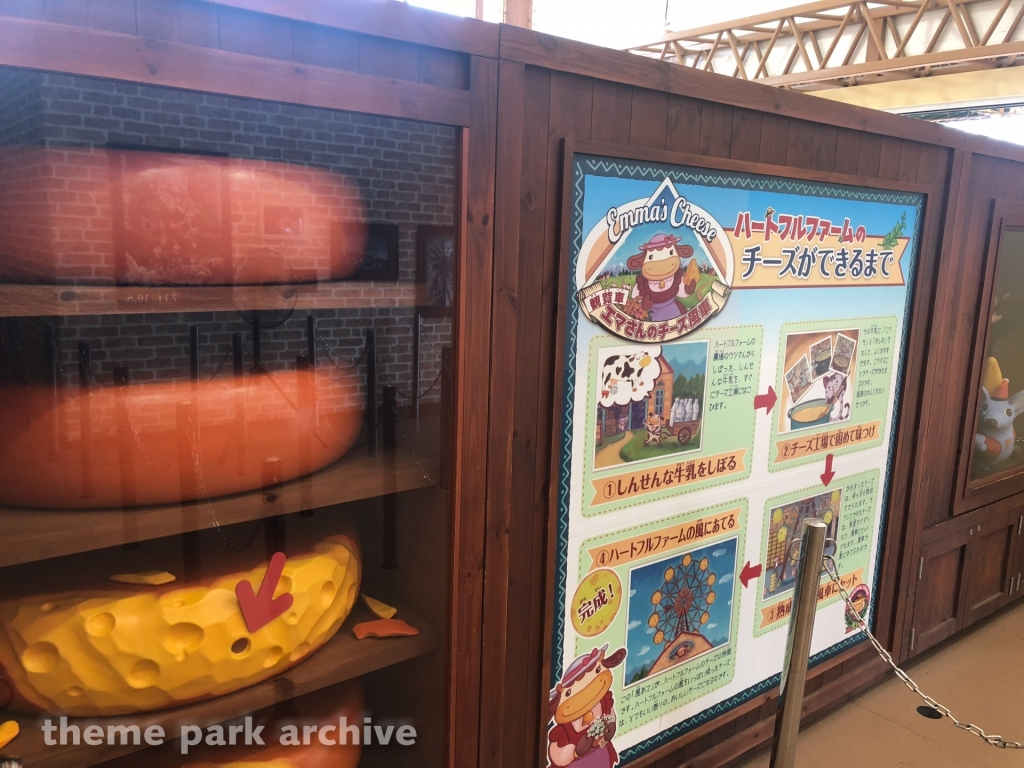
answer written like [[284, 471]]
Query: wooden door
[[989, 551], [940, 600]]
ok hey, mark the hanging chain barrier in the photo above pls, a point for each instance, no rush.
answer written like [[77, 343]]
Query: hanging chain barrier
[[333, 357], [832, 570], [412, 451], [195, 453], [209, 506]]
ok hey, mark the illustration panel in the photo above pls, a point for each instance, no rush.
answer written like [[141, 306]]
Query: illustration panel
[[834, 389], [718, 326], [816, 392], [674, 612], [649, 402], [785, 526], [682, 569], [666, 419], [849, 508]]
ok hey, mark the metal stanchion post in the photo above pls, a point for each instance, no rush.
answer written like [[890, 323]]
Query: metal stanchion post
[[798, 646]]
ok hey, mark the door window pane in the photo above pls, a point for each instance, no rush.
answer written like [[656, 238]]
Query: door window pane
[[1001, 402]]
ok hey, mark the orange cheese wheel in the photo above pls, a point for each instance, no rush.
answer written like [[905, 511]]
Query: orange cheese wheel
[[173, 441], [327, 708], [168, 218]]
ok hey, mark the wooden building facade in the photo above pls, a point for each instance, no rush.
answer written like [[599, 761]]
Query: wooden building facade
[[517, 101]]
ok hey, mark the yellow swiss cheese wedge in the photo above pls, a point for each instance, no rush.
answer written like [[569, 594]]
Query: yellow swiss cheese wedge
[[118, 650]]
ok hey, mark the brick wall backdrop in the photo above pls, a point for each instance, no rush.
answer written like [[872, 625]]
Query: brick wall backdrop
[[55, 134]]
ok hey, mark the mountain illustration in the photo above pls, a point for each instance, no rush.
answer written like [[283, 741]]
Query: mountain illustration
[[689, 369]]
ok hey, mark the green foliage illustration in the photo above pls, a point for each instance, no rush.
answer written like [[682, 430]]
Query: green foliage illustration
[[892, 239]]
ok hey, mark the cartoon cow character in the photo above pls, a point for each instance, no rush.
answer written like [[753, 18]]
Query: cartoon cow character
[[583, 712], [626, 370], [996, 437], [663, 278]]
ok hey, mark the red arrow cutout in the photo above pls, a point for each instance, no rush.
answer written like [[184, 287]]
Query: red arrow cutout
[[258, 610], [828, 474], [750, 572], [766, 401]]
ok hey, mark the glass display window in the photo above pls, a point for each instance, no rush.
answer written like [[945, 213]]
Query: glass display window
[[226, 384], [994, 451], [997, 448]]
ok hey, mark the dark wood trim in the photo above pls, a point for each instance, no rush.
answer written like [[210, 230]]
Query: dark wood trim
[[970, 519], [568, 147], [63, 48], [42, 534], [905, 449], [397, 21], [921, 496], [743, 166], [503, 355], [555, 53], [1004, 214], [474, 240]]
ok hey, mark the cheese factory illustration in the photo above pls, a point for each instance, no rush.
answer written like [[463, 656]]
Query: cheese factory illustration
[[157, 643]]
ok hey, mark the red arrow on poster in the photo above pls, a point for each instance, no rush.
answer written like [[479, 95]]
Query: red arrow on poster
[[258, 610], [828, 474], [766, 401], [750, 572]]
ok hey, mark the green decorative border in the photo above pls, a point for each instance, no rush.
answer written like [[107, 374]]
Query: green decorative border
[[590, 474], [823, 326], [840, 484], [584, 644]]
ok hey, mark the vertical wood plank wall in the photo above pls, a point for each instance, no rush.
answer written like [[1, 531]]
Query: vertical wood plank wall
[[538, 108], [517, 99]]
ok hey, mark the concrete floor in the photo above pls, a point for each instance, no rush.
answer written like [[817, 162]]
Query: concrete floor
[[979, 677]]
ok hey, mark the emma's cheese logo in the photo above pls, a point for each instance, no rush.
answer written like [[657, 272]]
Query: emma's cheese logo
[[654, 269]]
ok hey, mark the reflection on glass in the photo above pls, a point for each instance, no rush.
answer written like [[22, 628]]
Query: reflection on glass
[[225, 414], [1001, 402]]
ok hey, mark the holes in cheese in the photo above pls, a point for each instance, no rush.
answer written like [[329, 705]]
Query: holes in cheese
[[96, 651]]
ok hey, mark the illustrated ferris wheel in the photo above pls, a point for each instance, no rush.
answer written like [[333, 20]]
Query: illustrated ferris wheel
[[684, 600]]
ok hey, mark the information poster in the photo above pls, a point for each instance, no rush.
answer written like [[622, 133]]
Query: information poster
[[734, 349]]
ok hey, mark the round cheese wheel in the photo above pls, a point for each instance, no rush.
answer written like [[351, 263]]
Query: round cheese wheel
[[327, 708], [173, 441], [107, 651]]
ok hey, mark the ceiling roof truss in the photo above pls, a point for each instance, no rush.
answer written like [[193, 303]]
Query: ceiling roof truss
[[837, 44]]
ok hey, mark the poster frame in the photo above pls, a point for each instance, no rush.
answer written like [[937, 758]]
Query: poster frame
[[903, 426]]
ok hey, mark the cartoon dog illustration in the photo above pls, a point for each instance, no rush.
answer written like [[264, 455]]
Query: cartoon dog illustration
[[996, 437], [835, 394], [583, 712], [663, 278]]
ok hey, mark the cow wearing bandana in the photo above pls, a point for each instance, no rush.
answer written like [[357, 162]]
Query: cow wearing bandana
[[583, 711], [663, 279]]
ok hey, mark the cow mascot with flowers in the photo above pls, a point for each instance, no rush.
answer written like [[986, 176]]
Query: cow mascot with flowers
[[583, 712]]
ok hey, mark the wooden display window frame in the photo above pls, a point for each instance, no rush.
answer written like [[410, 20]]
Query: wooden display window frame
[[185, 61], [904, 428], [1006, 215]]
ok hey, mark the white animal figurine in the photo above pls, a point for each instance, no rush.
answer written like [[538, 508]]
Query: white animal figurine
[[996, 436]]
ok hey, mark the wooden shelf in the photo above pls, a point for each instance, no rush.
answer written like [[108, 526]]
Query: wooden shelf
[[34, 534], [343, 658], [54, 300]]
